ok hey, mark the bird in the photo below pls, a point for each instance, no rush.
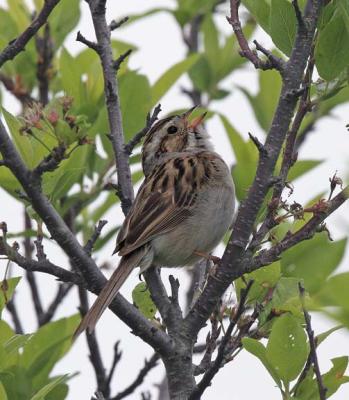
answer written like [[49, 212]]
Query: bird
[[182, 210]]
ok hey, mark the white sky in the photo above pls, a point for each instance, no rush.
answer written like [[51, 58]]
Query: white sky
[[160, 46]]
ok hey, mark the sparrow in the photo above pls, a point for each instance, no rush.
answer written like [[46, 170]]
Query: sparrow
[[182, 210]]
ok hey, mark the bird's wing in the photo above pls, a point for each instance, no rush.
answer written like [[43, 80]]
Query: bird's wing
[[165, 199]]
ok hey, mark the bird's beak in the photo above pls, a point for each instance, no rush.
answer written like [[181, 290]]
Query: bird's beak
[[197, 121], [187, 114]]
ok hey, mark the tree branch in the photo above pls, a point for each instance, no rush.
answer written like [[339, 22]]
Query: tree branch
[[117, 63], [93, 346], [272, 60], [12, 309], [266, 257], [116, 24], [44, 266], [28, 250], [44, 47], [148, 365], [116, 359], [139, 136], [289, 157], [59, 231], [17, 45], [207, 378], [62, 291], [116, 135], [234, 258], [17, 89], [97, 231], [312, 342]]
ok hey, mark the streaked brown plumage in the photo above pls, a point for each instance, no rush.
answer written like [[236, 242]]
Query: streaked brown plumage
[[184, 206]]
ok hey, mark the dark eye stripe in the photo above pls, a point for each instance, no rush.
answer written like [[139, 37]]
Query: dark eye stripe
[[158, 125]]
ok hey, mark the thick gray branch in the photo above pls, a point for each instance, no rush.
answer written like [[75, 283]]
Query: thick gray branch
[[59, 231], [233, 258], [116, 135], [17, 45]]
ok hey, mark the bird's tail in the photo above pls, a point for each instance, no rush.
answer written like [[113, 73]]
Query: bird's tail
[[109, 291]]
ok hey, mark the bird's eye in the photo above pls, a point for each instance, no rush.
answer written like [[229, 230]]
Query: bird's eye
[[172, 129]]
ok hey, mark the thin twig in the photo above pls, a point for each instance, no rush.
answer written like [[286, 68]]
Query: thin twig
[[17, 89], [51, 161], [116, 359], [207, 378], [12, 309], [93, 346], [139, 136], [96, 233], [62, 291], [34, 289], [117, 63], [266, 257], [312, 342], [44, 47], [17, 45], [116, 24], [148, 365], [92, 45], [44, 266], [271, 62]]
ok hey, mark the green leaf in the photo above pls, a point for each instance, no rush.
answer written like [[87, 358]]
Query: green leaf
[[201, 74], [63, 20], [334, 378], [20, 12], [3, 395], [285, 299], [324, 335], [344, 10], [43, 392], [260, 9], [283, 25], [264, 279], [60, 392], [48, 345], [56, 184], [135, 101], [168, 79], [264, 103], [16, 383], [24, 143], [313, 260], [9, 182], [211, 41], [229, 57], [16, 342], [6, 333], [7, 289], [335, 291], [246, 156], [256, 348], [332, 50], [301, 167], [71, 77], [135, 17], [287, 348], [142, 300]]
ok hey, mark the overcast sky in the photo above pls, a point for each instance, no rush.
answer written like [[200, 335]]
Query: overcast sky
[[160, 46]]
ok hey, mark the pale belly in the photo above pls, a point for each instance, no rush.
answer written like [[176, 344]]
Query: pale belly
[[212, 217]]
